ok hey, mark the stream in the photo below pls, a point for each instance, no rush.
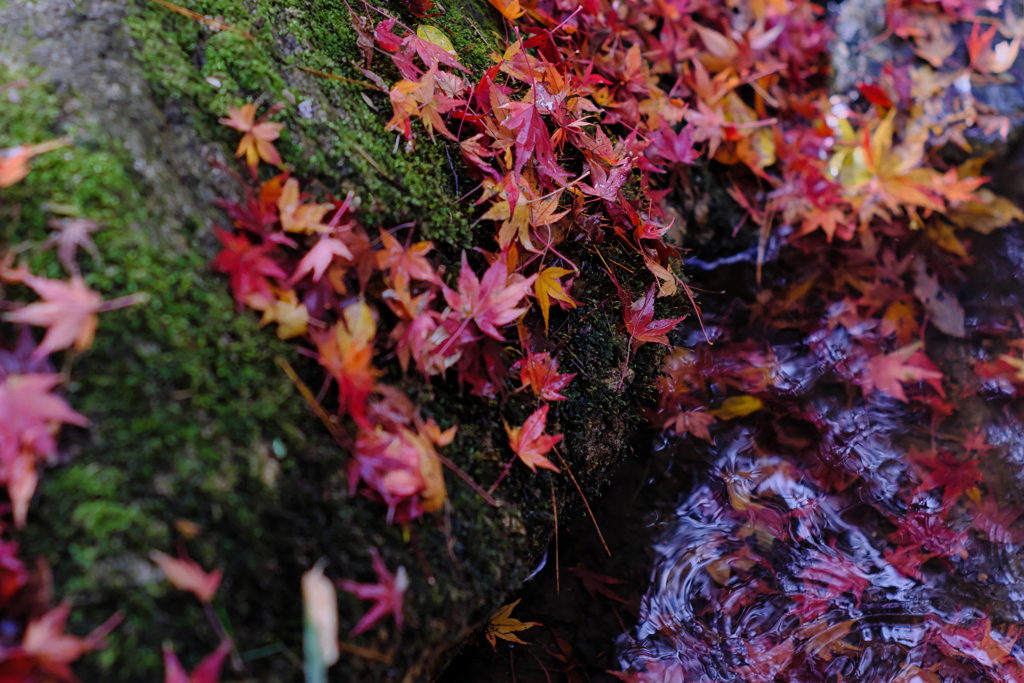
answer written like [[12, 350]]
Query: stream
[[833, 534]]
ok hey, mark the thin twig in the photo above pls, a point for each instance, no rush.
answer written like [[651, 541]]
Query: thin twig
[[504, 473], [123, 302], [600, 256], [585, 503]]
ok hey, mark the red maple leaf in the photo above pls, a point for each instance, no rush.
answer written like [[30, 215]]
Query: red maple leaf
[[640, 322], [186, 575], [46, 652], [907, 560], [831, 575], [763, 664], [596, 583], [249, 267], [997, 522], [607, 183], [29, 418], [319, 258], [387, 594], [530, 442], [532, 139], [953, 477], [673, 147], [928, 531], [489, 302], [413, 261], [540, 372], [976, 441]]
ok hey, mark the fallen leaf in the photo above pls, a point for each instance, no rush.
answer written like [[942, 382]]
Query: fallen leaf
[[68, 309], [186, 575], [503, 626], [320, 620], [547, 287], [530, 442], [258, 141], [207, 671], [387, 594]]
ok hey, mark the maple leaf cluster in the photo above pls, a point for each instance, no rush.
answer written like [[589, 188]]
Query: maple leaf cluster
[[579, 129], [311, 289], [32, 413]]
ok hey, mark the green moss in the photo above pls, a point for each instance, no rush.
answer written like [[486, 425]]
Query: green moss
[[343, 144]]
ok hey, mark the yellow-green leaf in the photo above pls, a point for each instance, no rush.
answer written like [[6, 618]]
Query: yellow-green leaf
[[435, 36]]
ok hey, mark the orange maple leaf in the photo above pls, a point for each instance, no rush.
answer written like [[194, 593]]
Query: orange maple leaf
[[14, 161], [510, 10], [257, 143], [299, 217], [346, 351]]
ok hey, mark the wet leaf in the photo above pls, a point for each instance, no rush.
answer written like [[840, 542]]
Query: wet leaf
[[502, 625]]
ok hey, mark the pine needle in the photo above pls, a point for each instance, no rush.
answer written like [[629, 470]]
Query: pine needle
[[207, 21], [554, 506], [585, 503], [333, 77], [364, 652], [310, 399]]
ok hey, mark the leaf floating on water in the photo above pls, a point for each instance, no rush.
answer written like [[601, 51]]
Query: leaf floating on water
[[737, 406]]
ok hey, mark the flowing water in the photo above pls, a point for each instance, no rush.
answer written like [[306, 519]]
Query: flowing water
[[839, 534]]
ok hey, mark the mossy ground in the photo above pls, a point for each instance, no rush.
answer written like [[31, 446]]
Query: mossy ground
[[341, 140], [192, 420]]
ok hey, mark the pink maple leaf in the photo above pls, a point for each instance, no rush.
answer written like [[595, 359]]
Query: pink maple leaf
[[207, 671], [387, 594], [888, 372], [318, 259], [490, 302]]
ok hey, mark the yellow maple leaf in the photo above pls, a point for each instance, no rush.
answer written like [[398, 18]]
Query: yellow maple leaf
[[548, 287], [737, 406], [290, 315], [503, 626], [299, 217]]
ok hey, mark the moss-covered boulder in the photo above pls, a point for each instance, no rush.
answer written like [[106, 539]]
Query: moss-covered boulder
[[198, 438]]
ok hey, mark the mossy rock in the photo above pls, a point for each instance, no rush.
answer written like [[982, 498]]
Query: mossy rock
[[192, 420]]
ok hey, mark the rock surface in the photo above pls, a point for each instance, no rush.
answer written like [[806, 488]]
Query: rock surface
[[193, 422]]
